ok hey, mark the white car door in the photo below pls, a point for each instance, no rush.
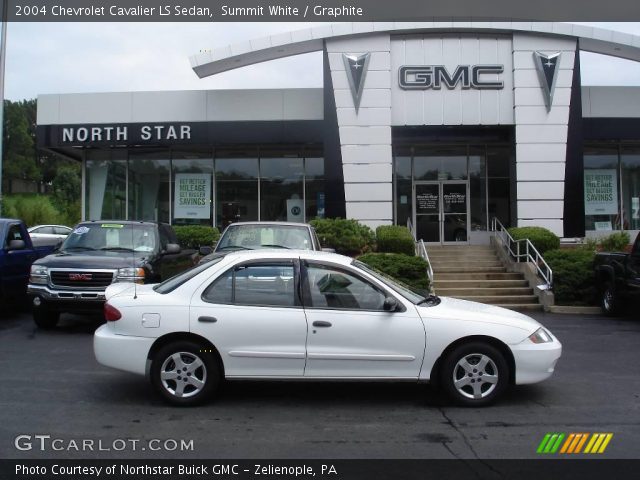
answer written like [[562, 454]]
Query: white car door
[[253, 315], [350, 333]]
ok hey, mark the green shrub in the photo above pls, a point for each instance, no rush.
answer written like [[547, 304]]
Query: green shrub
[[412, 271], [573, 278], [196, 236], [347, 237], [541, 238], [616, 242], [395, 239], [32, 209]]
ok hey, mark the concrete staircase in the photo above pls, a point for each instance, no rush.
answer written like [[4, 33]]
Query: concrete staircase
[[476, 273]]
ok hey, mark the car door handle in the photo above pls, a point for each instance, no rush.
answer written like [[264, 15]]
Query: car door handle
[[207, 319], [321, 323]]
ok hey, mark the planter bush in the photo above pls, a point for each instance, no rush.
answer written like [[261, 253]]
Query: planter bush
[[32, 209], [411, 271], [394, 239], [347, 237], [196, 236], [573, 278], [616, 242], [543, 239]]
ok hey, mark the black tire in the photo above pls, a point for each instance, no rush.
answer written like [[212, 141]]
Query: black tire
[[44, 318], [609, 300], [208, 373], [475, 392]]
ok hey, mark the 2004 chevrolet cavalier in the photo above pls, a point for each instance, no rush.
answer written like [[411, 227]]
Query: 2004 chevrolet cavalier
[[313, 315]]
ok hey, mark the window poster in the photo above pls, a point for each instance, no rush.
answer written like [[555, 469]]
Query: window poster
[[192, 197], [601, 192]]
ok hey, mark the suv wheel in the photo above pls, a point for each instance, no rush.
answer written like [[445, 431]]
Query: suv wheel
[[45, 318], [184, 373], [474, 374], [609, 300]]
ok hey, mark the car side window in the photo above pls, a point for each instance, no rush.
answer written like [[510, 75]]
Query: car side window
[[263, 284], [61, 231], [334, 288], [14, 233]]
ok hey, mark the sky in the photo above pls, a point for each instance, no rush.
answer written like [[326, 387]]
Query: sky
[[105, 57]]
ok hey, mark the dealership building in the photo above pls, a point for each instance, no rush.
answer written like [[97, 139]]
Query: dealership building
[[445, 124]]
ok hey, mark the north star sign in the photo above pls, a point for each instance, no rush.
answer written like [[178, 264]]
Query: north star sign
[[125, 133], [425, 77]]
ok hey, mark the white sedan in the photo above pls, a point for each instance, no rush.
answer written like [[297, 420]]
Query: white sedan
[[317, 316]]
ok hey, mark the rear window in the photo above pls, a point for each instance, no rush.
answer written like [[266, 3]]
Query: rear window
[[174, 282]]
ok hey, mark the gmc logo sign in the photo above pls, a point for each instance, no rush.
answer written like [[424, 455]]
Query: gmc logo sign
[[80, 276], [435, 76]]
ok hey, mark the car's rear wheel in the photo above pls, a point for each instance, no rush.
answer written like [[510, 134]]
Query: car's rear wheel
[[45, 318], [474, 374], [185, 373], [609, 299]]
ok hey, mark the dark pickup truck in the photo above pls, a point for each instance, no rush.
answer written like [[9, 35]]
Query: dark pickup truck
[[16, 256], [97, 254], [618, 278]]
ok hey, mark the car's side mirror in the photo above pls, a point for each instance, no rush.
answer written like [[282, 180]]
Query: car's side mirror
[[172, 248], [390, 304], [16, 245], [205, 250]]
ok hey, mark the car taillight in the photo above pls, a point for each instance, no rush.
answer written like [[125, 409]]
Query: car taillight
[[111, 314]]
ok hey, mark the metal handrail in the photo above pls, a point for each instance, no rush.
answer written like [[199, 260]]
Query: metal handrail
[[528, 251], [421, 251]]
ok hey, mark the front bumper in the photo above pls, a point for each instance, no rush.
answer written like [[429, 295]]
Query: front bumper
[[49, 295], [123, 352], [535, 362]]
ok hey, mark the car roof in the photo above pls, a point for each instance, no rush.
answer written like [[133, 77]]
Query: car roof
[[277, 253], [49, 225], [286, 224], [124, 222]]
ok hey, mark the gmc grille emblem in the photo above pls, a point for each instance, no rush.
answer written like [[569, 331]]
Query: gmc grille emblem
[[80, 276]]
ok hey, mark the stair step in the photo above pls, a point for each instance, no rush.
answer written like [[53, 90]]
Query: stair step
[[523, 307], [482, 275], [469, 269], [464, 256], [475, 291], [465, 249], [435, 264], [437, 284], [501, 299]]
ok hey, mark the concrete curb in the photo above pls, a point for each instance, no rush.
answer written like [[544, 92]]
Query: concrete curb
[[575, 310]]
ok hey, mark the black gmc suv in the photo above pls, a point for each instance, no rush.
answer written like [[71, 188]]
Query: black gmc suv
[[97, 253], [618, 278]]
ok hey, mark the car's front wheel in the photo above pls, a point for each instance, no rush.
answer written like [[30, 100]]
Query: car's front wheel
[[609, 300], [474, 374], [185, 373]]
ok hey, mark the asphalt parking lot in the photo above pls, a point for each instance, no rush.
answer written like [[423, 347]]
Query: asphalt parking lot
[[52, 385]]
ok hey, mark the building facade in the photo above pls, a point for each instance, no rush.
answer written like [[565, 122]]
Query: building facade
[[445, 125]]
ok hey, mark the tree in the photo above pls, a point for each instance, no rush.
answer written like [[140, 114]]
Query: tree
[[19, 158]]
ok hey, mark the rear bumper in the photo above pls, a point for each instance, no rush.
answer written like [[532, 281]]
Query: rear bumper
[[535, 362], [123, 352]]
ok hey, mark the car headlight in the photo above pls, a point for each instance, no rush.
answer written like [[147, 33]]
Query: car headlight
[[540, 336], [130, 274], [39, 274]]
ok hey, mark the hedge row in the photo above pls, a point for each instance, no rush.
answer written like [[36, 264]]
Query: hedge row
[[196, 236], [543, 239], [573, 277], [395, 239], [411, 271]]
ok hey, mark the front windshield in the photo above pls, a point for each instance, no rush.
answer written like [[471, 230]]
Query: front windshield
[[250, 237], [111, 237], [407, 292]]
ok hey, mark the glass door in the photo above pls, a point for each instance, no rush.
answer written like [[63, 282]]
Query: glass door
[[441, 211]]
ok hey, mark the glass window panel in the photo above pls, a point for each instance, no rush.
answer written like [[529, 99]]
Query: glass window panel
[[499, 200], [478, 189], [600, 168], [281, 189], [200, 164], [265, 285], [402, 167], [498, 162], [337, 289], [221, 290], [314, 188], [631, 188], [236, 190], [105, 188], [440, 163], [149, 185]]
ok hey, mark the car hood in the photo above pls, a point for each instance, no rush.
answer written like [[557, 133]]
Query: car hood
[[97, 259], [479, 312]]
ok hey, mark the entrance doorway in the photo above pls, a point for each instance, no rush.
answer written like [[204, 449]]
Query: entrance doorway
[[441, 211]]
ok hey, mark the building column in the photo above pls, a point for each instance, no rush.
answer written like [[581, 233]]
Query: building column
[[541, 135], [365, 136]]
